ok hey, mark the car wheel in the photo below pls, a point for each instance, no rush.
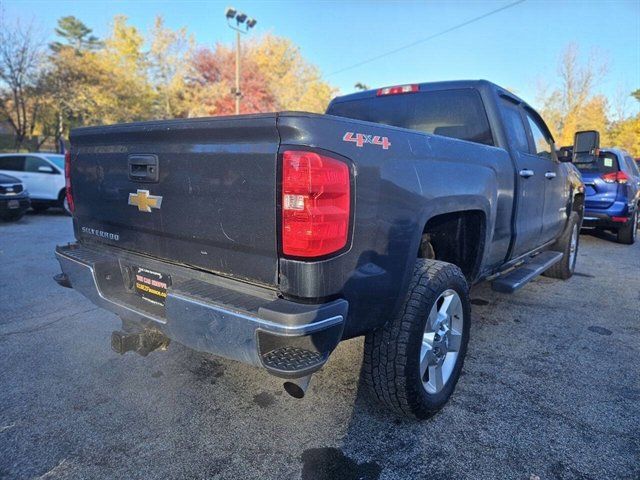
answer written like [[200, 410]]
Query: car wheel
[[568, 244], [413, 363], [627, 234], [65, 206]]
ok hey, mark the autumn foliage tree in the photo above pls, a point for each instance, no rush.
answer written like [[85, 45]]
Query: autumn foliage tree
[[212, 81], [574, 105], [129, 76]]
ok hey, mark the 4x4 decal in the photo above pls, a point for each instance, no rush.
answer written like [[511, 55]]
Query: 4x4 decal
[[360, 139]]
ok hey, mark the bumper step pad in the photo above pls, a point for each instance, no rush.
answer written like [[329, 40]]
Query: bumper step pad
[[292, 359]]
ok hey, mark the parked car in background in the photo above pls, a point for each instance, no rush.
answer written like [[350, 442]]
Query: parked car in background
[[42, 174], [612, 186], [14, 198]]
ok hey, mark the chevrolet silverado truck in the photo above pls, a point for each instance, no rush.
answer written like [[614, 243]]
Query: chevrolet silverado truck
[[270, 238]]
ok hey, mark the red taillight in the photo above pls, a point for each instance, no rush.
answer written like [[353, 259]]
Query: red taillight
[[316, 203], [398, 89], [619, 219], [615, 177], [67, 178]]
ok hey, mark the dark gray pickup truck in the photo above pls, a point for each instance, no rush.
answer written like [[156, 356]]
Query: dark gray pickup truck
[[270, 238]]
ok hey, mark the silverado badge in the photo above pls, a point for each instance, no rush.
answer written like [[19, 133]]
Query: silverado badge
[[144, 201]]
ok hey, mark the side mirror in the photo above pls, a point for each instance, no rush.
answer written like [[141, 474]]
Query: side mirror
[[45, 169], [586, 146]]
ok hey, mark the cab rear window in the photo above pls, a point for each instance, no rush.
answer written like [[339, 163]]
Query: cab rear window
[[457, 113], [605, 163]]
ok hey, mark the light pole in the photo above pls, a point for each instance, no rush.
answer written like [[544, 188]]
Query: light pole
[[240, 18]]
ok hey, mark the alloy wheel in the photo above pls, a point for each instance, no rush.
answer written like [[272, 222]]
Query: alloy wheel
[[441, 341]]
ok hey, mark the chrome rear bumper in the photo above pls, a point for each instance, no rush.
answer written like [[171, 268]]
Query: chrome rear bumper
[[211, 314]]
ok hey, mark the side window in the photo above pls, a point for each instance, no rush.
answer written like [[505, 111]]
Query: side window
[[514, 126], [14, 163], [541, 143], [633, 166], [33, 163]]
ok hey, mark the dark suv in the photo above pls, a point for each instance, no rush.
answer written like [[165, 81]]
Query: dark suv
[[612, 187]]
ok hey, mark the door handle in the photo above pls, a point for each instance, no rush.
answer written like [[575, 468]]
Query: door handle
[[550, 175], [143, 168], [526, 173]]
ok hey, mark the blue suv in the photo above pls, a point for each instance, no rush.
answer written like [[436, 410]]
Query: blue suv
[[612, 188]]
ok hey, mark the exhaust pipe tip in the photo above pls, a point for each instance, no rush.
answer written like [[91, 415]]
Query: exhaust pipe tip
[[297, 387]]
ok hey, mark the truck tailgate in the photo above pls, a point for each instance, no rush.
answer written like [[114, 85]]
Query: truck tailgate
[[217, 181]]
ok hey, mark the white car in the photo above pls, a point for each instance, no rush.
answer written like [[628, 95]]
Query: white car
[[42, 174]]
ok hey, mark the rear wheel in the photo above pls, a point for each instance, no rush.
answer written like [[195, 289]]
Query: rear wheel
[[567, 244], [627, 234], [413, 363], [64, 203]]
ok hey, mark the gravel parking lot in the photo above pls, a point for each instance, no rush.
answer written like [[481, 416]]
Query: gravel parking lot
[[550, 389]]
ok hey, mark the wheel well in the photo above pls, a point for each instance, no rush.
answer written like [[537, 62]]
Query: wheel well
[[578, 203], [61, 195], [457, 238]]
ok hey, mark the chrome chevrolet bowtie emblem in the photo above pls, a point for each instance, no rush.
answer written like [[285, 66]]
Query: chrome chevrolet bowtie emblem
[[144, 201]]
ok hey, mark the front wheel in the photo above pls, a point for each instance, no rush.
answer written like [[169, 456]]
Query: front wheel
[[567, 244], [413, 363]]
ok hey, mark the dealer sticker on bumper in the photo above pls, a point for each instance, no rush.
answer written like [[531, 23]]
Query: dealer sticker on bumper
[[152, 286]]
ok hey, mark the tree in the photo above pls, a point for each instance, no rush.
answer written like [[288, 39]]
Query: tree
[[213, 77], [296, 84], [117, 87], [169, 56], [20, 71], [572, 106], [361, 86], [636, 94], [626, 135], [76, 35]]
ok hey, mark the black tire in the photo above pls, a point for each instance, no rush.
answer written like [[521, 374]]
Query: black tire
[[39, 208], [627, 233], [564, 269], [62, 202], [391, 365]]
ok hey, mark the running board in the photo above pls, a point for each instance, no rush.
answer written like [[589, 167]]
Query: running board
[[522, 275]]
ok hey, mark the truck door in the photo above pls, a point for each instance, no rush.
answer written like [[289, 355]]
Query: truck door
[[556, 190], [529, 191]]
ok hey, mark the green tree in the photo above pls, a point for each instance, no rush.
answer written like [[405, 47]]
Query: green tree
[[74, 34]]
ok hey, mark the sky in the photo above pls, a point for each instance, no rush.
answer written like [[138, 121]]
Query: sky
[[518, 47]]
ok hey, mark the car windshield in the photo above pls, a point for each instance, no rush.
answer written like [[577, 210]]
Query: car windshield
[[58, 160], [605, 163]]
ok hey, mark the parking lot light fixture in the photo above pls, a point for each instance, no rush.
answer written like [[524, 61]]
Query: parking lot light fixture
[[240, 18]]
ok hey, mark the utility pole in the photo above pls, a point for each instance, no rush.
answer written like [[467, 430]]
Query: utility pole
[[240, 18]]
